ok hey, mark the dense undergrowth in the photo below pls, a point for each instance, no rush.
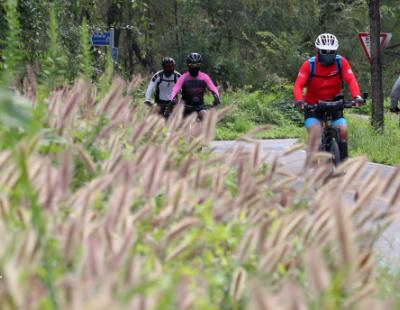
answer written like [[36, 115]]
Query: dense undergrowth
[[273, 107]]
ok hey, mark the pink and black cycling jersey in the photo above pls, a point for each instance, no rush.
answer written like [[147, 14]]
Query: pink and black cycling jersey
[[193, 88]]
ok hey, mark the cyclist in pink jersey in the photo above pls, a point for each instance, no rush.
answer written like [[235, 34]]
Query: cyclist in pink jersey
[[193, 85]]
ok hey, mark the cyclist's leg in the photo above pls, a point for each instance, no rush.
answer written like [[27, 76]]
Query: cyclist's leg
[[341, 124], [314, 130]]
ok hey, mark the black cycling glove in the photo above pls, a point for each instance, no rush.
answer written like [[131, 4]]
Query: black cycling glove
[[358, 100], [299, 104]]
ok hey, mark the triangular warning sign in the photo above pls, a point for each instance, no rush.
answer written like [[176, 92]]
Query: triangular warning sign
[[365, 41]]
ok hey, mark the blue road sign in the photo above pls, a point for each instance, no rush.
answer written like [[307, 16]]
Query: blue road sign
[[114, 53], [101, 39]]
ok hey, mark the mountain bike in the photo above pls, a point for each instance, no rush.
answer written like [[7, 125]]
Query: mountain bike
[[197, 119], [163, 109], [166, 109], [330, 135], [188, 110]]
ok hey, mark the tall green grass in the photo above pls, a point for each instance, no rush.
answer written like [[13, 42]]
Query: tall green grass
[[252, 109], [380, 148]]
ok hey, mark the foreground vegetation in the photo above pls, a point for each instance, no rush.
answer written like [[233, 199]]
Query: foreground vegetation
[[108, 207]]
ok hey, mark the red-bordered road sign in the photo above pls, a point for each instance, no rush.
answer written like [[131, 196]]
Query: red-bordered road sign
[[365, 41]]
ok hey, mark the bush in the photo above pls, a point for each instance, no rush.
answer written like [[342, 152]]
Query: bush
[[259, 108]]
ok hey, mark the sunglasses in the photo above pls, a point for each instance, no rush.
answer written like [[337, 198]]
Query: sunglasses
[[327, 52], [194, 65]]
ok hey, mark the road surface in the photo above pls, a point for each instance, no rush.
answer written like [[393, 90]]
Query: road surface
[[387, 248]]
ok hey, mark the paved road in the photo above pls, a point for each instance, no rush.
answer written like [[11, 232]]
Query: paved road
[[387, 247]]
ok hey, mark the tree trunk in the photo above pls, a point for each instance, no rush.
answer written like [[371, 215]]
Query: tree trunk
[[377, 118]]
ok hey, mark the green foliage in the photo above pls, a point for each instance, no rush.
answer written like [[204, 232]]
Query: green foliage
[[16, 119], [388, 278], [53, 71], [245, 43], [86, 57], [15, 111], [106, 78], [34, 19], [11, 65]]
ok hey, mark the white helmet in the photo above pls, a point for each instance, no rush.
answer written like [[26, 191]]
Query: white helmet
[[327, 41]]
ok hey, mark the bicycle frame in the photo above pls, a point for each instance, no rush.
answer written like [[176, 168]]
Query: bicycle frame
[[328, 134]]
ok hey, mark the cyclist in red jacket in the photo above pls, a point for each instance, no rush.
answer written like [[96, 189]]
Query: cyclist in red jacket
[[323, 76]]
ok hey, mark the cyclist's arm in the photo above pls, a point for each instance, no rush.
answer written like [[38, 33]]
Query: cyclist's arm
[[151, 88], [349, 78], [177, 87], [211, 86], [395, 94], [301, 81]]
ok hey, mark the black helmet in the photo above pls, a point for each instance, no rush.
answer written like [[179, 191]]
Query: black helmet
[[194, 58], [168, 61]]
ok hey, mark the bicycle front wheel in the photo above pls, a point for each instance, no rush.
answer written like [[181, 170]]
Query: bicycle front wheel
[[334, 150]]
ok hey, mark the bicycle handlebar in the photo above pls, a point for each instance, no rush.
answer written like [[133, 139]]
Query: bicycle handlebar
[[331, 105]]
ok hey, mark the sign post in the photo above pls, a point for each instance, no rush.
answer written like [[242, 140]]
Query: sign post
[[101, 39], [105, 39], [365, 41]]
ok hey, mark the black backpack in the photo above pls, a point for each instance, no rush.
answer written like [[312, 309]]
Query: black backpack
[[163, 80], [312, 63]]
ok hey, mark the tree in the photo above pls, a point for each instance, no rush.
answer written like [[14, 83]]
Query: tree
[[376, 66]]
